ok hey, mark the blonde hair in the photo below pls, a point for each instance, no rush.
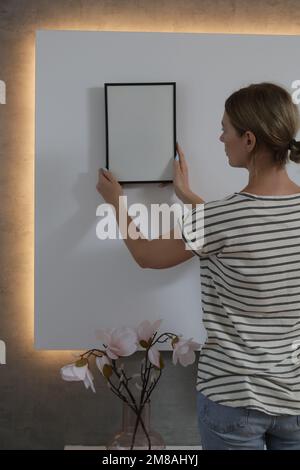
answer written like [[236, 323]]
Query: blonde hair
[[268, 111]]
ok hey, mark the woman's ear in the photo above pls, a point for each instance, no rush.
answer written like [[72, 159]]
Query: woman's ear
[[251, 139]]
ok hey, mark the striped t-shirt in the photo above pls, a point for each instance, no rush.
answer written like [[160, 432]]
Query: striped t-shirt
[[249, 254]]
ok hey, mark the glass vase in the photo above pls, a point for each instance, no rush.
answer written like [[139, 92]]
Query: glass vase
[[125, 438]]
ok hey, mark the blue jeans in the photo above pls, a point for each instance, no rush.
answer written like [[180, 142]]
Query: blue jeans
[[226, 428]]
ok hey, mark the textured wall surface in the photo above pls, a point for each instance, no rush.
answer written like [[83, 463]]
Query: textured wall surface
[[37, 409]]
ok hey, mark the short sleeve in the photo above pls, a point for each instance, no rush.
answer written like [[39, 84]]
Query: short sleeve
[[202, 229]]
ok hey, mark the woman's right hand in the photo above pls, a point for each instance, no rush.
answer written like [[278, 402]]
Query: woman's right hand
[[181, 177]]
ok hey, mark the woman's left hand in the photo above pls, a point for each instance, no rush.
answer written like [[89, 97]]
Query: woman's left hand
[[108, 186], [181, 177]]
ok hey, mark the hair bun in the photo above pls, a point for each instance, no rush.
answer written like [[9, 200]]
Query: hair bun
[[292, 143], [294, 147]]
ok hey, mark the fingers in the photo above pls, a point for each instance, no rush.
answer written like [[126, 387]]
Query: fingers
[[102, 180], [182, 160], [107, 174], [176, 166], [178, 148], [179, 151]]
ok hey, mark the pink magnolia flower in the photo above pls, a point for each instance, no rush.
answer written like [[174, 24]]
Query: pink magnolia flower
[[118, 341], [154, 356], [102, 361], [145, 331], [184, 351], [71, 372]]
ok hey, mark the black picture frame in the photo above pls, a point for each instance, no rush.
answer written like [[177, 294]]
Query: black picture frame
[[106, 85]]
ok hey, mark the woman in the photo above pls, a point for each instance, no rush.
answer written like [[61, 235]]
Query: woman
[[248, 383]]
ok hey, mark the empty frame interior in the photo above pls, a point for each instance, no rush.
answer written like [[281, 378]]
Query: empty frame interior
[[140, 131]]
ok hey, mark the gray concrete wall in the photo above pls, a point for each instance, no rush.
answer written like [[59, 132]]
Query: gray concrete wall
[[37, 409]]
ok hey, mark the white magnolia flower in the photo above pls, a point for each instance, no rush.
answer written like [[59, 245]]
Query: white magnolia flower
[[118, 341], [184, 351], [101, 361], [71, 372], [124, 342], [146, 330], [154, 355]]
